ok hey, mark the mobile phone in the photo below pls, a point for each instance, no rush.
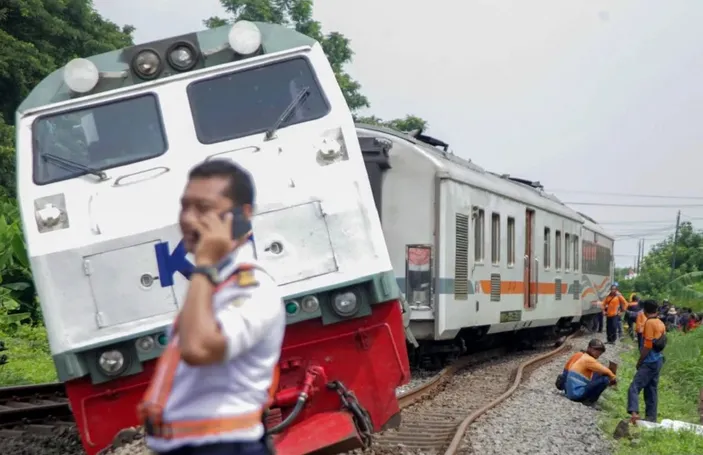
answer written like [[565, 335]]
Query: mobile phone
[[240, 224]]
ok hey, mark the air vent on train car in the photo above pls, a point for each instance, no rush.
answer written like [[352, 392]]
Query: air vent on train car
[[535, 185], [557, 289], [495, 287], [461, 258], [577, 290]]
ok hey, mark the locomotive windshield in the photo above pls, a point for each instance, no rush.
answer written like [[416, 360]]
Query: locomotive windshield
[[251, 101], [87, 140]]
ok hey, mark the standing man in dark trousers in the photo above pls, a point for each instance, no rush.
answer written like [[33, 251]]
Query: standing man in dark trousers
[[613, 305], [649, 365]]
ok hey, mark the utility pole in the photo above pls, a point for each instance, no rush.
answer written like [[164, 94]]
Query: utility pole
[[676, 240], [639, 256]]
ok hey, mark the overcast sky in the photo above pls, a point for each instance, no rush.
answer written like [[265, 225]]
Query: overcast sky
[[581, 95]]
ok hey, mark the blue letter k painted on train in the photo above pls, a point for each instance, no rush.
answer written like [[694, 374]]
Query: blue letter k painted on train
[[170, 263]]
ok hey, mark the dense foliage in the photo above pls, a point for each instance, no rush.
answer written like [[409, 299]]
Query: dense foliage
[[655, 277]]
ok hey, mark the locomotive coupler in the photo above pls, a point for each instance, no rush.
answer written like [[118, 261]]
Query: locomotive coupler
[[361, 416]]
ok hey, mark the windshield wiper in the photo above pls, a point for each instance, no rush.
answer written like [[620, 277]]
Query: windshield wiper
[[297, 101], [73, 165]]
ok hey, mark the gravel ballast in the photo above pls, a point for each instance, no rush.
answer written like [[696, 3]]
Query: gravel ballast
[[538, 419]]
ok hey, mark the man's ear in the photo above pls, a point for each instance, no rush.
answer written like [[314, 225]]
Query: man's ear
[[248, 210]]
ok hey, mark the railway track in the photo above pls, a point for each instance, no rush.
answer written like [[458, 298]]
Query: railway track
[[437, 414], [38, 408]]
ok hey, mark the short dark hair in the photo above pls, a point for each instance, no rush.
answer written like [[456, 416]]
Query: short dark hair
[[650, 306], [596, 344], [241, 186]]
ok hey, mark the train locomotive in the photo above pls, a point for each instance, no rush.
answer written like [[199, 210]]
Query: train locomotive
[[479, 254], [104, 146]]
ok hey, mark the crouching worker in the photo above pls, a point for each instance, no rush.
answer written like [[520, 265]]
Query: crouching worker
[[561, 379], [587, 378]]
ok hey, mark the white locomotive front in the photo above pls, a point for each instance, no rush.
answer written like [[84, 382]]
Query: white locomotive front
[[104, 146]]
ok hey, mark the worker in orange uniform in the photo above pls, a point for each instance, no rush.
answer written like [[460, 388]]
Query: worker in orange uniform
[[587, 378], [633, 309], [613, 305], [639, 326], [649, 365], [561, 379], [214, 380]]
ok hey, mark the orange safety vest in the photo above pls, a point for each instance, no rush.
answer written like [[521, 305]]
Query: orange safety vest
[[151, 408]]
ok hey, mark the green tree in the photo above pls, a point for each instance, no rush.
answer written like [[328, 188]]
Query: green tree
[[655, 277], [409, 123], [36, 38]]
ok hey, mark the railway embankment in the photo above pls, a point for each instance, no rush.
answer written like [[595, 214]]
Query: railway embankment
[[538, 419], [679, 399]]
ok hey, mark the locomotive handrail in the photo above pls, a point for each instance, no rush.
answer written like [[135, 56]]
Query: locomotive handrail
[[164, 170], [255, 149]]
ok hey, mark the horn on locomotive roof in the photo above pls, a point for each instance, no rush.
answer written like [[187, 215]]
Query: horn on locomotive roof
[[429, 140]]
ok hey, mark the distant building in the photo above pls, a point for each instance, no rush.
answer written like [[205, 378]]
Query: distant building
[[631, 274]]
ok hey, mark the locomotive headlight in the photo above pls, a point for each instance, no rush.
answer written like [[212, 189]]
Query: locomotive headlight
[[182, 56], [112, 362], [245, 38], [81, 75], [50, 213], [345, 304], [146, 64], [145, 344], [310, 304]]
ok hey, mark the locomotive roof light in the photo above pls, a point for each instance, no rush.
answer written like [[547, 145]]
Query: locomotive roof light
[[112, 362], [182, 56], [310, 304], [345, 304], [147, 64], [145, 344], [81, 75], [244, 38]]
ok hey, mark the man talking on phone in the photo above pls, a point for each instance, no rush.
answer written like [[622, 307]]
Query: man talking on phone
[[213, 382]]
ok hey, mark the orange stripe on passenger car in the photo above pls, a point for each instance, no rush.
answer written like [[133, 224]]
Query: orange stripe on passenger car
[[518, 287]]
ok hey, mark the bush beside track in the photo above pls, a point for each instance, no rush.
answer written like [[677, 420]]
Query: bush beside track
[[679, 390], [28, 357]]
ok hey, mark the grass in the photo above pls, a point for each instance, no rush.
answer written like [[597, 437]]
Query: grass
[[679, 388], [29, 359]]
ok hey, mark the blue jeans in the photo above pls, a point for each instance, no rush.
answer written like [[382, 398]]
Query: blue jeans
[[611, 328], [619, 323], [594, 388], [222, 448], [647, 378]]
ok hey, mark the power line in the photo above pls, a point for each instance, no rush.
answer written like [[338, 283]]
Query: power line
[[648, 221], [642, 206], [652, 196]]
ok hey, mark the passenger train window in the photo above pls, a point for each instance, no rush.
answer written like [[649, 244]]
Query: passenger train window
[[495, 238], [557, 250], [479, 234], [511, 241], [547, 248], [567, 252], [576, 252]]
